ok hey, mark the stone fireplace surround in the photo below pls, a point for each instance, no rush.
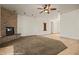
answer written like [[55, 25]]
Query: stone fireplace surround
[[8, 18]]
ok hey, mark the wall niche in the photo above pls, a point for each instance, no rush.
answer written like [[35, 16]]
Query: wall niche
[[44, 26]]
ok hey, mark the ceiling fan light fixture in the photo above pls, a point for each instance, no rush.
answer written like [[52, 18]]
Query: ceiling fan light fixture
[[47, 8], [46, 11]]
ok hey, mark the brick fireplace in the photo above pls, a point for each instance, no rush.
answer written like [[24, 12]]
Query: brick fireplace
[[8, 25], [8, 21]]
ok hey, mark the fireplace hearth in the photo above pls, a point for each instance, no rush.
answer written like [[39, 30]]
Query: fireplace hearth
[[9, 31]]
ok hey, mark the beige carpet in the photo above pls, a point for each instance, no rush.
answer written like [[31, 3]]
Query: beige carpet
[[38, 45]]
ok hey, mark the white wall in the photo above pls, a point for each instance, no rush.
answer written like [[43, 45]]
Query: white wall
[[69, 24], [24, 25], [34, 25]]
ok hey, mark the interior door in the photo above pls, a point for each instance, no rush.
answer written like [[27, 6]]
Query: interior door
[[52, 27]]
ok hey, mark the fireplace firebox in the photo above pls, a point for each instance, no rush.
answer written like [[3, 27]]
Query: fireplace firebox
[[9, 31]]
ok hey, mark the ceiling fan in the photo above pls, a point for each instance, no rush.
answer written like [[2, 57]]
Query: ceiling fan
[[46, 8]]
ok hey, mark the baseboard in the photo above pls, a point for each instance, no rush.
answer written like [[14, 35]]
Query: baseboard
[[56, 33], [68, 37]]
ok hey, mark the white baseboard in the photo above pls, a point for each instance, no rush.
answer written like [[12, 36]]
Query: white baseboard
[[70, 37]]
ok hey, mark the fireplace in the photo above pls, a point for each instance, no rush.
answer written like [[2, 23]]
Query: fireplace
[[9, 31]]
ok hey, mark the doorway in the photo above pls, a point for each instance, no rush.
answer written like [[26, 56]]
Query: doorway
[[52, 27]]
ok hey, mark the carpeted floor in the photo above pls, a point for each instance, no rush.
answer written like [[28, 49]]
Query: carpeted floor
[[37, 45]]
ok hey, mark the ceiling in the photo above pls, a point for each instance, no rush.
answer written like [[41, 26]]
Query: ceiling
[[31, 9]]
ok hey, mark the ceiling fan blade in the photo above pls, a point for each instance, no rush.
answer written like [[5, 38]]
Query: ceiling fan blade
[[53, 8], [45, 6], [41, 12], [49, 5]]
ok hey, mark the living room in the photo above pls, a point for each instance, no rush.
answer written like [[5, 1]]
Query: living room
[[29, 20]]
